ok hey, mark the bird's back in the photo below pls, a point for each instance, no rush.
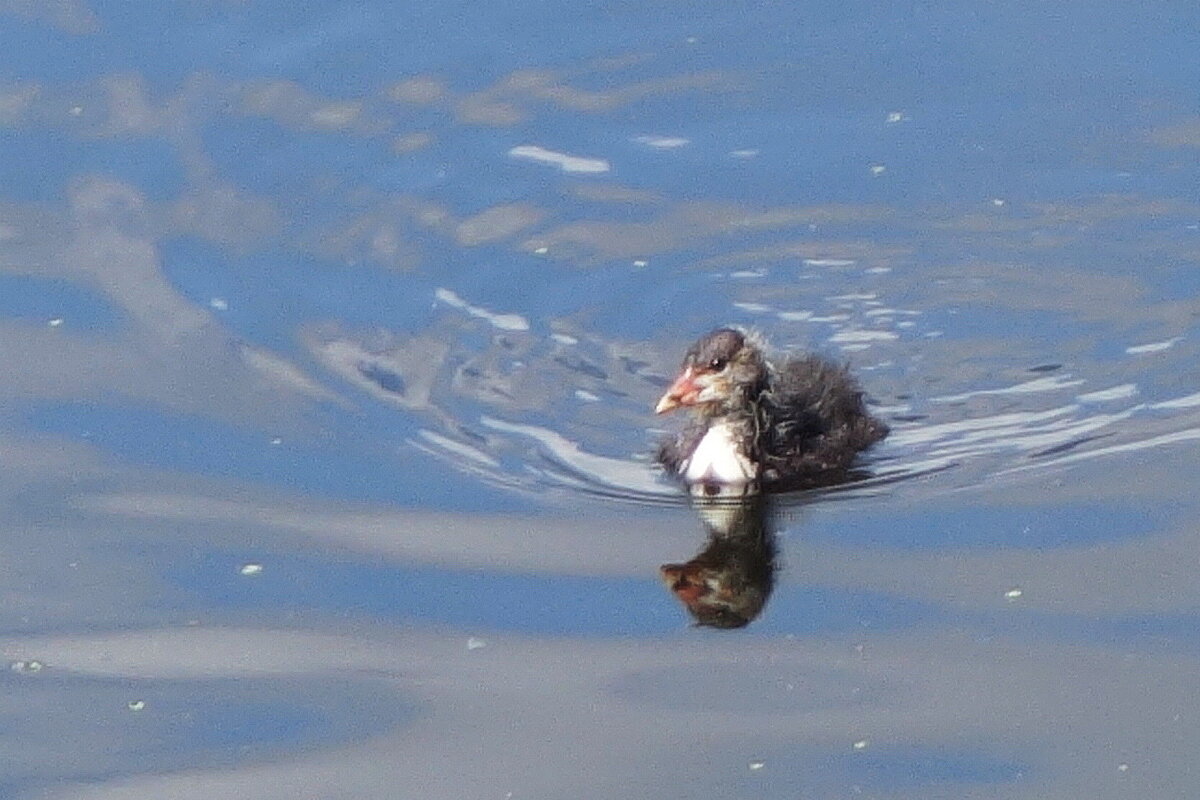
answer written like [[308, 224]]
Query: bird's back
[[814, 419]]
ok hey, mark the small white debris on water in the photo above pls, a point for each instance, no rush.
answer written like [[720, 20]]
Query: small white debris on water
[[996, 201], [640, 263], [1122, 768], [505, 322], [662, 142], [277, 441], [878, 169], [829, 262], [474, 643], [218, 304], [586, 396], [861, 744], [54, 323], [1153, 347], [757, 765], [562, 338], [136, 705], [856, 336], [76, 111], [895, 116], [541, 251], [251, 569], [26, 666], [1013, 594], [564, 161]]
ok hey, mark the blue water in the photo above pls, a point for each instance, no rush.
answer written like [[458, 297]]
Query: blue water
[[274, 283]]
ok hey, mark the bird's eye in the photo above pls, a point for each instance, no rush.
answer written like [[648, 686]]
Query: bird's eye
[[717, 364]]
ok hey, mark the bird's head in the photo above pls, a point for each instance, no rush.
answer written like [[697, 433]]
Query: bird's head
[[720, 374]]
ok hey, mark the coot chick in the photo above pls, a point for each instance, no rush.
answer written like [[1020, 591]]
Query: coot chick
[[800, 422]]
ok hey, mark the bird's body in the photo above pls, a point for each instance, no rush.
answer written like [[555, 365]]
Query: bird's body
[[801, 420]]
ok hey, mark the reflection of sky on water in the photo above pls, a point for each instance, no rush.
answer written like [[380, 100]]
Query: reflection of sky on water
[[379, 297]]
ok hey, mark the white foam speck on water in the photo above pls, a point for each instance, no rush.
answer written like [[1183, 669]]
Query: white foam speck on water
[[662, 142], [829, 262], [505, 322], [1153, 347], [564, 161], [860, 336]]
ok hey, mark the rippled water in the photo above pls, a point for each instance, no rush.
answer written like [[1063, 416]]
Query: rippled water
[[332, 334]]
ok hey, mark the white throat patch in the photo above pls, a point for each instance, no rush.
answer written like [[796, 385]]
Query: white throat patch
[[718, 459]]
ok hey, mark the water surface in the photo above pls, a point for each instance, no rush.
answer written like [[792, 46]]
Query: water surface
[[331, 334]]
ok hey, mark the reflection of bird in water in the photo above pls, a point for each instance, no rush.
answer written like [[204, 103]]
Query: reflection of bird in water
[[727, 584], [799, 422]]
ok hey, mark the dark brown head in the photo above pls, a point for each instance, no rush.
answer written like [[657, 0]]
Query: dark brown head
[[721, 373]]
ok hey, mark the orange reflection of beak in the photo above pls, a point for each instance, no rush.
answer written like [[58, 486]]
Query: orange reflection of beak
[[679, 578], [683, 392]]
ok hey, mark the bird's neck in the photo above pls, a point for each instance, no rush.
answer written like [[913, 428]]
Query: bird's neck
[[742, 404]]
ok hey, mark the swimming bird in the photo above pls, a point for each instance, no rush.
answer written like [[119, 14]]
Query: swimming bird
[[799, 422]]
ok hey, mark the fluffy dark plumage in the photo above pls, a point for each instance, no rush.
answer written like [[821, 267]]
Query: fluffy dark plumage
[[802, 420]]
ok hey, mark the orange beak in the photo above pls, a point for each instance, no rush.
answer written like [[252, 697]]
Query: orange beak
[[683, 392], [683, 583]]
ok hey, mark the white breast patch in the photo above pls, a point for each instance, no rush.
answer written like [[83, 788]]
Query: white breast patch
[[718, 459]]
